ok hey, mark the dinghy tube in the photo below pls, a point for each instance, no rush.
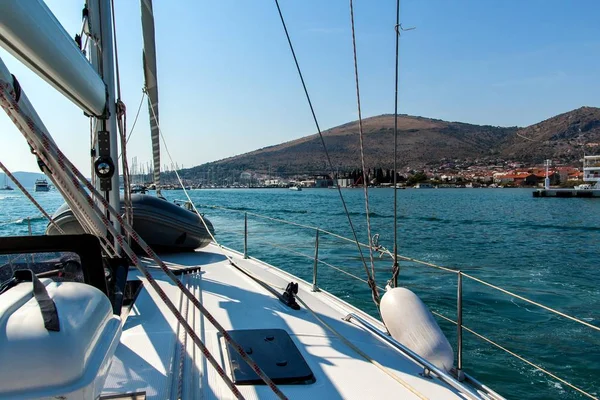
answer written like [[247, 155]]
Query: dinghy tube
[[165, 226], [410, 322]]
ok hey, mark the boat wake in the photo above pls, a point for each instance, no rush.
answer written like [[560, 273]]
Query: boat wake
[[25, 221]]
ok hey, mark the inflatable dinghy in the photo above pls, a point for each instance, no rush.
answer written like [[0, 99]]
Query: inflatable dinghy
[[165, 226]]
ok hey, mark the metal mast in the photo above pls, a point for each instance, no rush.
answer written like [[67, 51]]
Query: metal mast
[[102, 58]]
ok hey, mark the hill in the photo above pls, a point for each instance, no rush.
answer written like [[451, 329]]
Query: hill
[[421, 142], [565, 137]]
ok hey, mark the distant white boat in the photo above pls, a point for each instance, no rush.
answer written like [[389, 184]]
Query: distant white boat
[[423, 186], [296, 188], [6, 185], [41, 185]]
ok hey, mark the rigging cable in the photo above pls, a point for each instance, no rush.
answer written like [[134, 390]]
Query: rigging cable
[[396, 266], [7, 92], [183, 186], [52, 154], [372, 284], [312, 110], [122, 127], [137, 114], [30, 197]]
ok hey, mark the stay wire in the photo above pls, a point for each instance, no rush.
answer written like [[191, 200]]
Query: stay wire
[[312, 110], [137, 114], [185, 192], [396, 266], [372, 284]]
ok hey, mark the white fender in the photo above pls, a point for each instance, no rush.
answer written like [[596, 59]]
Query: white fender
[[410, 322]]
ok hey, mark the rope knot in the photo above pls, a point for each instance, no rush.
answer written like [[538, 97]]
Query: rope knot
[[371, 283], [374, 291], [121, 108]]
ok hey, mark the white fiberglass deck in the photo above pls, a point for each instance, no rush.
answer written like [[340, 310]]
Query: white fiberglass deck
[[150, 357]]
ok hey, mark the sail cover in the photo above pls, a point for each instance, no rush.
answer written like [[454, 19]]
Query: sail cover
[[149, 60]]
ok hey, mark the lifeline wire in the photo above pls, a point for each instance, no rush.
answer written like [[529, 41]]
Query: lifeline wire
[[439, 267]]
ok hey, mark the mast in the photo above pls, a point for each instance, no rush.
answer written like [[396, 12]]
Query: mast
[[151, 84], [102, 58]]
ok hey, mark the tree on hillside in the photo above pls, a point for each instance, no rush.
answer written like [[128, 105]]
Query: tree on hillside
[[379, 175], [416, 178]]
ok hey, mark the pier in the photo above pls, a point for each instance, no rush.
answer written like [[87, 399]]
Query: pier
[[567, 193], [591, 175]]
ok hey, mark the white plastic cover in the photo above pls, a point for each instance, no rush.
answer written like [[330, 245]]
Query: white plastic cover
[[72, 362], [410, 322]]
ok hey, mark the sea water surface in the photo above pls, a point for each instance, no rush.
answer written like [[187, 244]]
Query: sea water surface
[[545, 249]]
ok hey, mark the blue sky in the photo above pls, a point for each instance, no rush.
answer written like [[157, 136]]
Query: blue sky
[[228, 84]]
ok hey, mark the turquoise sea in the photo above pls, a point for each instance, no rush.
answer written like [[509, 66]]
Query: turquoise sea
[[544, 249]]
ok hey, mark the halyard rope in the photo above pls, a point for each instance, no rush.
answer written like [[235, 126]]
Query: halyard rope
[[362, 353], [372, 284], [122, 127], [9, 103], [86, 223], [330, 164]]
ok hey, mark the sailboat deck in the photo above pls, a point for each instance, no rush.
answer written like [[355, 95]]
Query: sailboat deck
[[155, 357]]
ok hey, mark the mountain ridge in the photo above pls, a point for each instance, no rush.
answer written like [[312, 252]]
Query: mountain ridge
[[424, 141]]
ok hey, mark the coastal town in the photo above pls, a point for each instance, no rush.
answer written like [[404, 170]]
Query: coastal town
[[448, 174]]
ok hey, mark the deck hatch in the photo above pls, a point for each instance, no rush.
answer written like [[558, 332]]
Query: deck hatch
[[274, 352]]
